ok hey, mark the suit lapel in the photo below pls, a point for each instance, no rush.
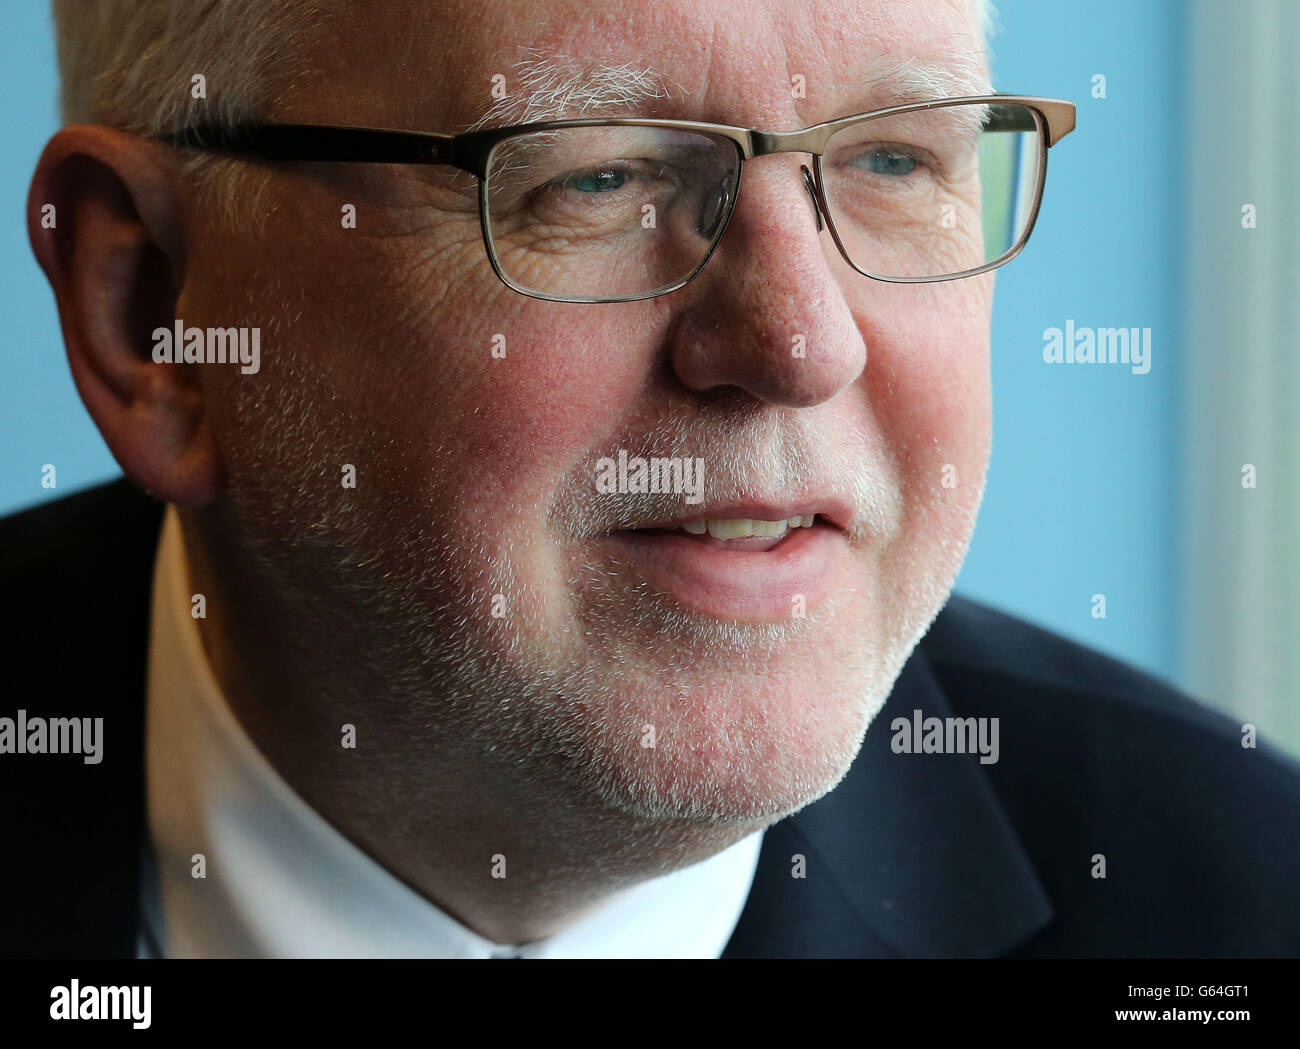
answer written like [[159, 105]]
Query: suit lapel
[[81, 572], [911, 855]]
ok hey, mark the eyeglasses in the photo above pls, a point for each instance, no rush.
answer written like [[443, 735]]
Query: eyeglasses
[[615, 210]]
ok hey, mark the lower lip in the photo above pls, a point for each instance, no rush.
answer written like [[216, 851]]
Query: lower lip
[[738, 584]]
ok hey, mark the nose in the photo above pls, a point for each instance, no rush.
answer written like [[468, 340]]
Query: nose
[[767, 314]]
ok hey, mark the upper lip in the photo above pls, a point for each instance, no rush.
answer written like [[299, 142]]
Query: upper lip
[[835, 512]]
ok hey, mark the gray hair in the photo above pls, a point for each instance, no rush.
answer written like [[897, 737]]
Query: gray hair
[[131, 64]]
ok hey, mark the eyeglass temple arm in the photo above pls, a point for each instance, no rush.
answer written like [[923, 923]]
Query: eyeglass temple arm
[[1059, 114], [468, 152], [309, 142], [1059, 117]]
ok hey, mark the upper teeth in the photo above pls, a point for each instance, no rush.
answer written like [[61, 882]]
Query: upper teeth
[[743, 527]]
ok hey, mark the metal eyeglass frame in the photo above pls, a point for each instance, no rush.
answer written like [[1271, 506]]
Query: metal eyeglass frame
[[471, 152]]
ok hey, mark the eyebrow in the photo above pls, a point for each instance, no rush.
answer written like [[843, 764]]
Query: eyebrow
[[548, 86], [552, 86], [903, 80]]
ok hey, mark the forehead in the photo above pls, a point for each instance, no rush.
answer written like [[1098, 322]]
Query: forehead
[[455, 66]]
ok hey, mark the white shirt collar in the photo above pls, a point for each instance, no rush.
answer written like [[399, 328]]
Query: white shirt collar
[[282, 882]]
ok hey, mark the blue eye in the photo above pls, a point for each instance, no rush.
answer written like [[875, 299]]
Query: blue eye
[[602, 181], [888, 162]]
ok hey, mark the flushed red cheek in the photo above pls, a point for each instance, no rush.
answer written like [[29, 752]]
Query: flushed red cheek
[[934, 416], [538, 393]]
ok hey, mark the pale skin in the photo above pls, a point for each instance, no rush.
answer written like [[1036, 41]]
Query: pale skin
[[376, 353]]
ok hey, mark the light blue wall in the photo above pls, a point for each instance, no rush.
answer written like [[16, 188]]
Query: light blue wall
[[41, 416], [1082, 489], [1082, 482]]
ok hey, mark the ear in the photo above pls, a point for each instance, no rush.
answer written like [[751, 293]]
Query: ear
[[114, 253]]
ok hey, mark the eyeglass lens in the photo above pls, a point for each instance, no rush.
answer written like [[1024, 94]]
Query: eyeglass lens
[[626, 211]]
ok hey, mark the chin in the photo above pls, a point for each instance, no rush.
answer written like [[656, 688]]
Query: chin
[[749, 750]]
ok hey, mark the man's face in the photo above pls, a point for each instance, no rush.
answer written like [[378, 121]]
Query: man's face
[[475, 572]]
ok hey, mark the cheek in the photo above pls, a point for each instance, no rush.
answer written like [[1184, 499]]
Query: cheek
[[506, 396], [928, 381]]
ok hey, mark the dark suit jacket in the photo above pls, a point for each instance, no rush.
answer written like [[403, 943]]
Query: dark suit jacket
[[911, 855]]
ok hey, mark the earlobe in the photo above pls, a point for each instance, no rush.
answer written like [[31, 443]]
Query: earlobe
[[106, 225]]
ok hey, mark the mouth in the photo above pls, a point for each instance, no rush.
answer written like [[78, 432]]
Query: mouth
[[758, 562], [737, 534], [750, 526]]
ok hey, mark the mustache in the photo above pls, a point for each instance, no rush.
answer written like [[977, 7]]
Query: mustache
[[744, 455]]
